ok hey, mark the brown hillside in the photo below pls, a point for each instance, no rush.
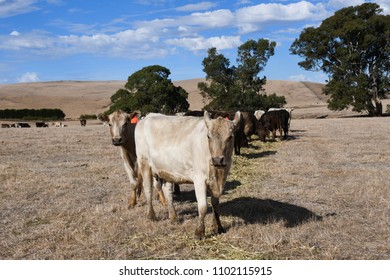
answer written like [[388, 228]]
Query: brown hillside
[[80, 97]]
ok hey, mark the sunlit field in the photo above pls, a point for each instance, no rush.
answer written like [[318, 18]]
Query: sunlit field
[[322, 194]]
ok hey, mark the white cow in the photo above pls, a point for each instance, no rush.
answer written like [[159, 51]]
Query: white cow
[[186, 150]]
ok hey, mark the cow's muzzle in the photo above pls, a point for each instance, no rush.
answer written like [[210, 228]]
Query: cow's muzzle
[[218, 161], [117, 141]]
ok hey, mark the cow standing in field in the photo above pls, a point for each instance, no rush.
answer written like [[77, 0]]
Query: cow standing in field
[[122, 132], [186, 150], [41, 124], [289, 110], [83, 122], [272, 121]]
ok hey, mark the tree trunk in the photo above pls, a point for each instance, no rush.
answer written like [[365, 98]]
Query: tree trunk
[[378, 108]]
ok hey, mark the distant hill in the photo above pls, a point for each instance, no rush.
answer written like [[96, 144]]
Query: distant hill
[[90, 97]]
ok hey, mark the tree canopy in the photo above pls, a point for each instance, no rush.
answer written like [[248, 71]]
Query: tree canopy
[[353, 48], [150, 90], [239, 87]]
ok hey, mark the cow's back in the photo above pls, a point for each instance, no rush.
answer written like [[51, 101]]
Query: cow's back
[[172, 146]]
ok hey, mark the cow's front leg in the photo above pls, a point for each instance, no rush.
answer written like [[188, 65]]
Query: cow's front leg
[[200, 192], [148, 189], [217, 226], [133, 195], [135, 187]]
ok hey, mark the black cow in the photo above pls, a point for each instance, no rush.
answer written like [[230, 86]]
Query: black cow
[[272, 121], [22, 125], [41, 124], [83, 122]]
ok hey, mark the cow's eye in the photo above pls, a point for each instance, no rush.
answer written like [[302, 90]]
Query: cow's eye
[[208, 136]]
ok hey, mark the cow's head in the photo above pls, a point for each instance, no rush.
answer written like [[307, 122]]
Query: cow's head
[[220, 134], [119, 123]]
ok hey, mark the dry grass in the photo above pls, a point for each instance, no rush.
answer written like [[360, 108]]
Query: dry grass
[[323, 194], [82, 97]]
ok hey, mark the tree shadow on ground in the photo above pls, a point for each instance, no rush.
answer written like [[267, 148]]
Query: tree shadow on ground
[[255, 210]]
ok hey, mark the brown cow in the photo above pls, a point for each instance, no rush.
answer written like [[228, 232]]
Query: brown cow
[[122, 132], [186, 150]]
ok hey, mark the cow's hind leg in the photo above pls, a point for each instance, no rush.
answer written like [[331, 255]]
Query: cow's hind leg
[[168, 193], [217, 226], [281, 133], [159, 195]]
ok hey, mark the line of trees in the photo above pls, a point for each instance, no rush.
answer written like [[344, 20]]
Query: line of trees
[[352, 47], [32, 114]]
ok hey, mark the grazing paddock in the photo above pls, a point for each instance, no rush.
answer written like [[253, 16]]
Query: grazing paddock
[[322, 194]]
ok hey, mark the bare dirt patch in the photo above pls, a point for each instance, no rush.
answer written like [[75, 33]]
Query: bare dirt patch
[[323, 194]]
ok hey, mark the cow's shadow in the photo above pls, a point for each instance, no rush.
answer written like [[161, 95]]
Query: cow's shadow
[[264, 211], [187, 192], [258, 154]]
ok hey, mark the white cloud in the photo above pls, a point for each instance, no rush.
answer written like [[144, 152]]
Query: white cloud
[[213, 19], [249, 19], [201, 43], [156, 38], [196, 7], [339, 4], [28, 77], [14, 33], [299, 78], [316, 78], [16, 7], [385, 5], [30, 41]]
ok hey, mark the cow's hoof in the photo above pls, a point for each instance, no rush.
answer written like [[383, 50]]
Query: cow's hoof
[[131, 202], [131, 205], [152, 216], [218, 230], [199, 234], [174, 220]]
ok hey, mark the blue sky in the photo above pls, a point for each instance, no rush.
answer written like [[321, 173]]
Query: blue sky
[[52, 40]]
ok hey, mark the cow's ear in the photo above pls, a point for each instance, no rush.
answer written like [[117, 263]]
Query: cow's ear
[[207, 119], [237, 118], [102, 118]]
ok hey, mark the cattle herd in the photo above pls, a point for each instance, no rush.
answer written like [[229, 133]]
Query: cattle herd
[[83, 122], [160, 152]]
